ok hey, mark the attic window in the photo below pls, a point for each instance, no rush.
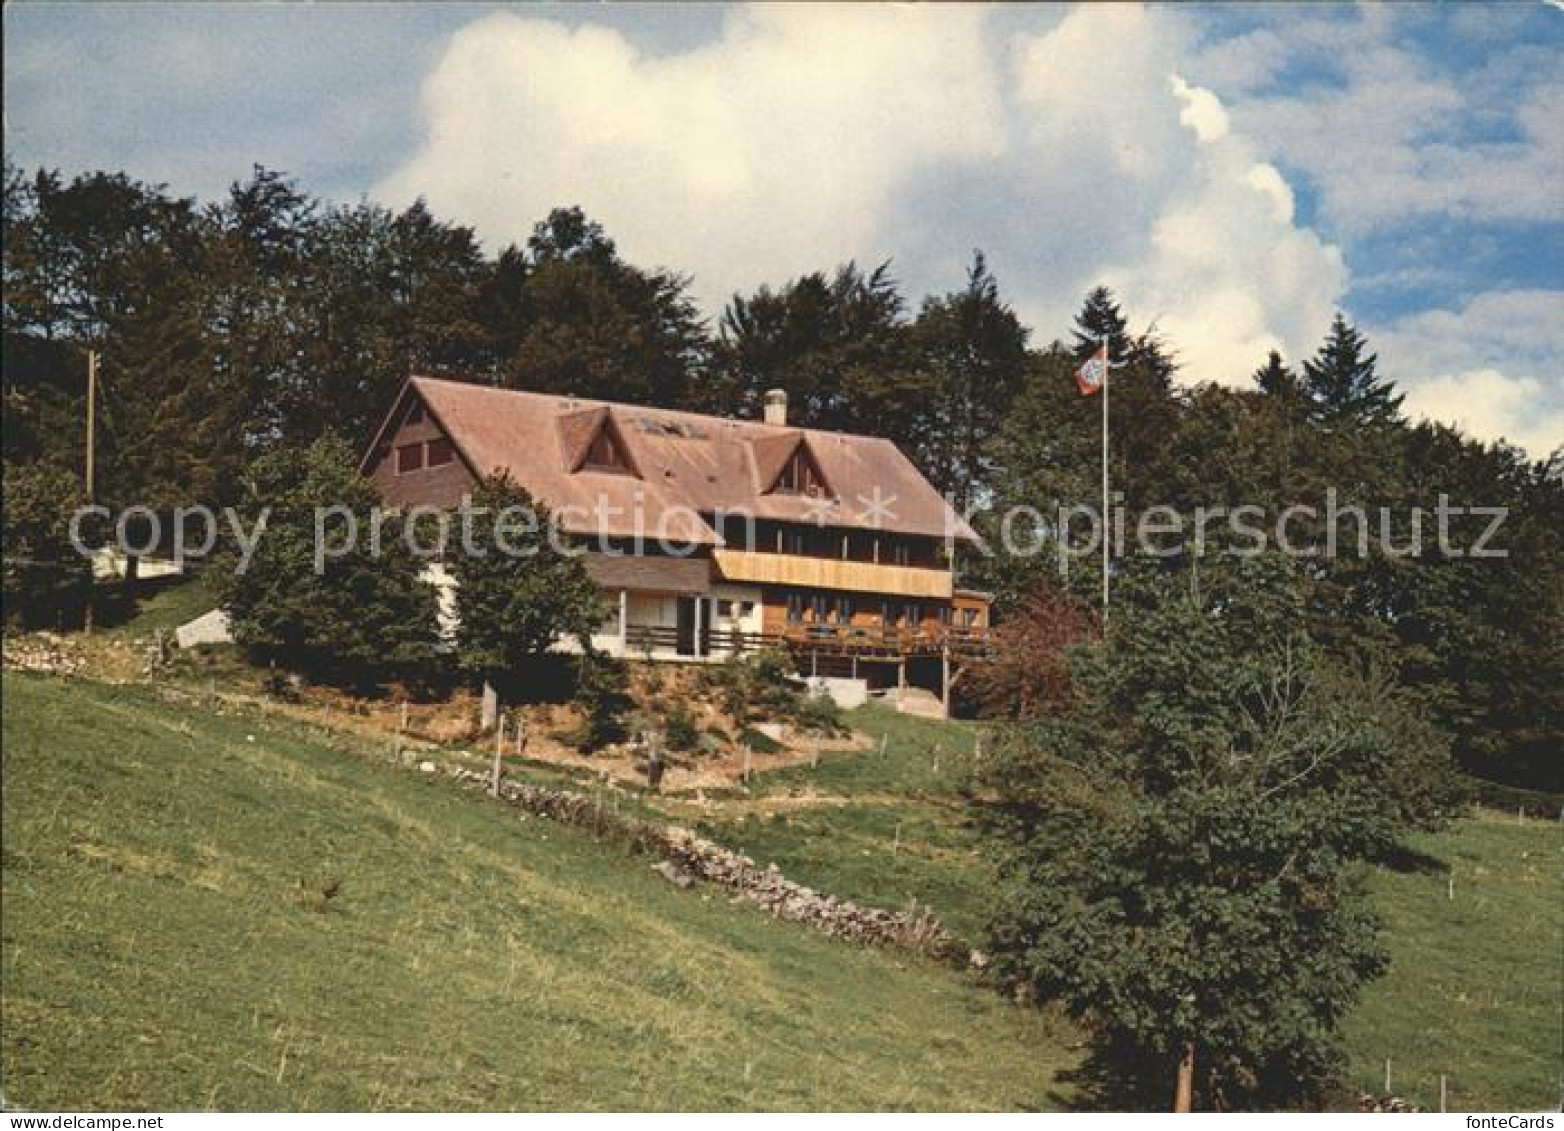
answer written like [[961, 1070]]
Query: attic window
[[440, 451], [409, 457], [800, 475], [604, 453], [415, 414]]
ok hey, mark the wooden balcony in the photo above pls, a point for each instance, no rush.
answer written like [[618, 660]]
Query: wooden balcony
[[821, 639], [830, 573]]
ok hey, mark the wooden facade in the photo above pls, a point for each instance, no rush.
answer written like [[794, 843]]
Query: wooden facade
[[800, 569]]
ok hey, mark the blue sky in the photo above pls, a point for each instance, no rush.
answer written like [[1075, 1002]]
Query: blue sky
[[1236, 172]]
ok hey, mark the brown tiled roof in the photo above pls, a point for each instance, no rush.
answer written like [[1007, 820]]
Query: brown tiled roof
[[688, 466]]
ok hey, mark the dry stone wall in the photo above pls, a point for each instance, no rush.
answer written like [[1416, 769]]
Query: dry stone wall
[[687, 858]]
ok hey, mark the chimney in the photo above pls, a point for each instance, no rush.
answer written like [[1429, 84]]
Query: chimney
[[775, 410]]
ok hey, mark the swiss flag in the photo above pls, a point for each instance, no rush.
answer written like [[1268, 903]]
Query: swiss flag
[[1093, 371]]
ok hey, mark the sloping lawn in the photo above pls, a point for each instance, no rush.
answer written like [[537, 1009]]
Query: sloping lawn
[[1476, 985], [205, 910]]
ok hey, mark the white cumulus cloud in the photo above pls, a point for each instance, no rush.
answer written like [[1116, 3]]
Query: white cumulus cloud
[[800, 137], [767, 153], [1490, 367]]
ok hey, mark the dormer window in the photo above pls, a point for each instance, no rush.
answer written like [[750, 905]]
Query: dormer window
[[604, 453], [590, 440], [800, 475]]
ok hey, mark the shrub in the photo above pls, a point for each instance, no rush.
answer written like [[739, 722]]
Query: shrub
[[759, 741], [819, 714], [362, 617], [680, 731], [45, 580], [755, 687], [602, 693]]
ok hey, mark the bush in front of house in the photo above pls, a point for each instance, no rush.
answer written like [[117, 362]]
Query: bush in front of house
[[757, 686], [46, 581], [362, 617], [759, 741], [761, 687], [603, 696], [818, 713], [680, 731], [516, 592]]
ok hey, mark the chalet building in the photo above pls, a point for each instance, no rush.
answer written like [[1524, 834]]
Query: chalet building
[[714, 536]]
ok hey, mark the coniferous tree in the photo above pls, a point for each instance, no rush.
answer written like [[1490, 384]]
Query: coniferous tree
[[1100, 318], [1342, 384], [1276, 379], [974, 347]]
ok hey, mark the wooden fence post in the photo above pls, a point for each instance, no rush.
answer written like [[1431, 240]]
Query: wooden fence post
[[499, 749], [489, 711]]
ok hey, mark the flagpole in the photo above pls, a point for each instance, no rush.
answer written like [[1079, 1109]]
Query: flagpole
[[1107, 519]]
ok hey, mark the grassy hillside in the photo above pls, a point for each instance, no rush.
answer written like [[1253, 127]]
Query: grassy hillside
[[1474, 990], [1476, 985], [886, 826], [170, 943]]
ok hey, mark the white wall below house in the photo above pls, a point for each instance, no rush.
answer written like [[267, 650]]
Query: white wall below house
[[847, 693]]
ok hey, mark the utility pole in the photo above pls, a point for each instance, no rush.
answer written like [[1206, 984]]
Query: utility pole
[[92, 420], [91, 484]]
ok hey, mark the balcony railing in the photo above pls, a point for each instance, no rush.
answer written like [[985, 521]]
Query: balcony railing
[[824, 639]]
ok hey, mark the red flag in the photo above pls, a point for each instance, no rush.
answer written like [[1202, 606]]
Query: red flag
[[1093, 371]]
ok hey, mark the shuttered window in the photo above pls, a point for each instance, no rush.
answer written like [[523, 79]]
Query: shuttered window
[[441, 452]]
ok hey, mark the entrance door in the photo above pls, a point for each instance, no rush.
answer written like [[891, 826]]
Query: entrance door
[[684, 633]]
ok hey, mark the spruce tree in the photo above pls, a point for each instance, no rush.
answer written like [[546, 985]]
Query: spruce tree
[[1342, 384], [1276, 379], [1100, 317]]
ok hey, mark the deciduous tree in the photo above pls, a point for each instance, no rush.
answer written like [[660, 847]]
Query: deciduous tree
[[1183, 841]]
